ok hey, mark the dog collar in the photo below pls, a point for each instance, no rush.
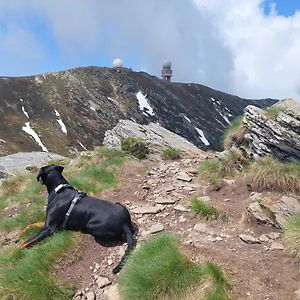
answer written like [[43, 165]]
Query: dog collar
[[61, 186]]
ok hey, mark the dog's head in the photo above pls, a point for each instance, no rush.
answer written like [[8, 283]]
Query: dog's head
[[44, 171]]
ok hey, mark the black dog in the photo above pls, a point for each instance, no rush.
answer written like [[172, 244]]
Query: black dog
[[69, 209]]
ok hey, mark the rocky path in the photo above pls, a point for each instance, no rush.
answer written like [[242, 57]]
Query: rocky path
[[157, 194]]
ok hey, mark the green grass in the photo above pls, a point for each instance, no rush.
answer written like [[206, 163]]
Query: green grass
[[158, 270], [215, 169], [26, 274], [292, 235], [135, 146], [19, 189], [268, 174], [98, 178], [234, 133], [170, 153], [28, 215], [207, 211], [272, 112]]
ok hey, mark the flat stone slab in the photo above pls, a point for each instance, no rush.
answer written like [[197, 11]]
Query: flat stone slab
[[201, 227], [102, 282], [184, 177], [148, 209], [249, 239], [276, 246], [162, 200], [156, 228]]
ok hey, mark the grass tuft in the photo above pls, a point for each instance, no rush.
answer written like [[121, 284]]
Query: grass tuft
[[292, 235], [205, 210], [234, 133], [216, 169], [158, 270], [272, 112], [26, 274], [135, 146], [170, 153], [268, 174]]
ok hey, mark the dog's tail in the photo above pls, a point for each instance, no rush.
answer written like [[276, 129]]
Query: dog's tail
[[128, 230]]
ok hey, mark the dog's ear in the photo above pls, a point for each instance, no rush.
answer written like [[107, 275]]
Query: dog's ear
[[59, 169], [39, 175]]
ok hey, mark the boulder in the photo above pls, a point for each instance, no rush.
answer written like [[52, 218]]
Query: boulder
[[275, 131], [155, 137]]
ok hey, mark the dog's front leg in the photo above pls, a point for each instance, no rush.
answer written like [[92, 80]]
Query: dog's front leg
[[39, 236]]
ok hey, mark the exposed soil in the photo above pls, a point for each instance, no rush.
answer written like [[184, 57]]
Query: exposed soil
[[254, 271]]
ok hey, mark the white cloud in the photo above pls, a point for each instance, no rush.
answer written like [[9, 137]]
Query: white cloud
[[265, 49], [230, 45]]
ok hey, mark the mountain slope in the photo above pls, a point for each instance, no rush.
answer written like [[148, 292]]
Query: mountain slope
[[69, 111]]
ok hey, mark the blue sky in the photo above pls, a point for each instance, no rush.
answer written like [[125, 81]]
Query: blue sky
[[245, 47], [284, 7]]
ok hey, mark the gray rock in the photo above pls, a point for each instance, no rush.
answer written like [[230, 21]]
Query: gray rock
[[283, 209], [112, 293], [103, 282], [278, 136], [273, 235], [201, 227], [257, 212], [155, 136], [161, 200], [19, 162], [156, 228], [263, 238], [276, 246], [297, 294], [148, 209], [184, 177], [180, 207], [90, 296], [249, 239]]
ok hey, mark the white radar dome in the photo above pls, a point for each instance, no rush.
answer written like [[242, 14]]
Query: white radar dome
[[167, 64], [117, 63]]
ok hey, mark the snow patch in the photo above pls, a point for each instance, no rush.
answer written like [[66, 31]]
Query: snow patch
[[111, 99], [2, 141], [32, 133], [92, 108], [202, 137], [143, 103], [82, 146], [60, 122], [25, 112], [38, 79], [188, 119]]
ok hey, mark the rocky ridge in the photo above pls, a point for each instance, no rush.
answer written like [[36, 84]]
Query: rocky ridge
[[69, 111]]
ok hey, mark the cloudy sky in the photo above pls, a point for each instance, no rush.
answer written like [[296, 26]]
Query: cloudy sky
[[250, 48]]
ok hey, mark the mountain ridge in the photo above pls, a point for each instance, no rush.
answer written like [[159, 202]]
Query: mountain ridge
[[69, 111]]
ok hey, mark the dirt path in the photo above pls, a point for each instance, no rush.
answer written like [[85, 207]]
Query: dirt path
[[254, 271]]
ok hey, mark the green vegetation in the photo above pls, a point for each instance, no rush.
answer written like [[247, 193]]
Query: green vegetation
[[268, 174], [158, 270], [26, 274], [234, 133], [205, 210], [170, 153], [292, 235], [272, 112], [135, 146], [216, 169], [19, 189]]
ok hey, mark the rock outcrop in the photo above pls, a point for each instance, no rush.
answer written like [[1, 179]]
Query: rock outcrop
[[155, 137], [23, 161], [275, 131]]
